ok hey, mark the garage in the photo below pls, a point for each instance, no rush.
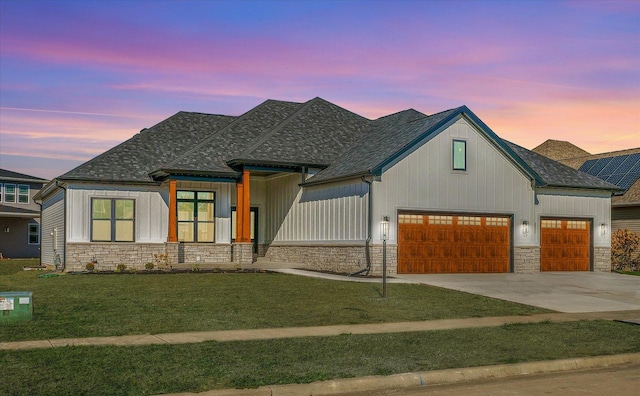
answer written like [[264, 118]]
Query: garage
[[443, 243], [564, 245]]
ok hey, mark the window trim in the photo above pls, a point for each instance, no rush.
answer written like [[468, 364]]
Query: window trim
[[18, 195], [195, 200], [15, 196], [113, 220], [453, 155], [37, 234]]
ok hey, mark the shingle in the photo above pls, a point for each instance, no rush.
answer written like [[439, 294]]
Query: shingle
[[556, 174], [7, 174], [148, 150]]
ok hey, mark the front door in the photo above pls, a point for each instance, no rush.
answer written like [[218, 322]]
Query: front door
[[254, 227]]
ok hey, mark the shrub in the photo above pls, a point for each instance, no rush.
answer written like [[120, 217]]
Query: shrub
[[149, 266], [625, 254], [121, 267], [90, 266], [163, 261]]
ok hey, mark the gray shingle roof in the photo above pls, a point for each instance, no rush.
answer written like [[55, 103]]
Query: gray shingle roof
[[11, 175], [313, 133], [132, 160], [15, 210], [556, 174]]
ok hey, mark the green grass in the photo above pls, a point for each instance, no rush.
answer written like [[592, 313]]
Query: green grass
[[198, 367], [636, 273], [105, 305]]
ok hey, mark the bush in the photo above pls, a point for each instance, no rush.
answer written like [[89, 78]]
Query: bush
[[90, 266], [625, 254], [121, 267], [148, 266]]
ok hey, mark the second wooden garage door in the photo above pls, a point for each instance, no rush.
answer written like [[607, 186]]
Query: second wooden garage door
[[564, 245], [433, 243]]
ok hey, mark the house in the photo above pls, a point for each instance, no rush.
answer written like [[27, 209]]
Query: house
[[311, 182], [19, 215], [621, 168]]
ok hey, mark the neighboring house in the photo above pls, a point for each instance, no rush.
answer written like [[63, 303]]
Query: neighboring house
[[309, 183], [621, 168], [19, 215]]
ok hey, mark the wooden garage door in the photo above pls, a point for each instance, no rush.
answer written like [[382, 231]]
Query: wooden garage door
[[433, 243], [564, 245]]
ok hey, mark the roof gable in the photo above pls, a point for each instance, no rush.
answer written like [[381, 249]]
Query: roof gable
[[132, 160], [559, 149], [6, 174]]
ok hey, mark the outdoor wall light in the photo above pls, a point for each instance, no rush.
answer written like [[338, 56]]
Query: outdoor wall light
[[603, 229], [384, 227], [525, 227], [6, 229]]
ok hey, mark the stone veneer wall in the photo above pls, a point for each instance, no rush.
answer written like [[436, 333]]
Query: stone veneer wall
[[526, 259], [341, 259], [207, 253], [242, 252], [109, 254], [376, 259], [602, 259]]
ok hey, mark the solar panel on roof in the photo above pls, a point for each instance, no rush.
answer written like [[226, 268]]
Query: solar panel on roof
[[613, 165], [621, 170]]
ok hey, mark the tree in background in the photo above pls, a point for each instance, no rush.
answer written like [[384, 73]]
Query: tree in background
[[625, 254]]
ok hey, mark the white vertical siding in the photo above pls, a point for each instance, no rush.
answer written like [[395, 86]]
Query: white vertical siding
[[424, 180], [52, 217], [333, 212], [596, 208], [151, 209]]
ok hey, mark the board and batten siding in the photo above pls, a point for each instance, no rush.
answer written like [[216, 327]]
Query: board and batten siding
[[333, 212], [597, 209], [52, 228], [424, 181], [151, 209]]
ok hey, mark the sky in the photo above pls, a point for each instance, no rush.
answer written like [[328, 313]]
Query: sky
[[79, 77]]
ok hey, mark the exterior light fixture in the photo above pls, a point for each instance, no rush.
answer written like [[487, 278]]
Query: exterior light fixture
[[603, 229], [384, 231], [525, 227], [6, 229]]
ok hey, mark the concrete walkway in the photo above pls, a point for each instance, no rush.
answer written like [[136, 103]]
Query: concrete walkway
[[317, 331]]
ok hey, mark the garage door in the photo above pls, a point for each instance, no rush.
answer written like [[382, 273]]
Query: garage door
[[435, 243], [564, 245]]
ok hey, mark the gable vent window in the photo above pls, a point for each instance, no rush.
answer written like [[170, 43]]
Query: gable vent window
[[459, 155]]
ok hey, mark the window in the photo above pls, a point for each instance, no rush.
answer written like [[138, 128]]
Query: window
[[23, 194], [410, 219], [497, 221], [34, 234], [196, 216], [459, 155], [9, 193], [0, 192], [446, 220], [112, 220], [468, 220]]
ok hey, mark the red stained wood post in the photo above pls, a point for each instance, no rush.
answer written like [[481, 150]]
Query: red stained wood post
[[243, 212], [246, 208], [173, 213]]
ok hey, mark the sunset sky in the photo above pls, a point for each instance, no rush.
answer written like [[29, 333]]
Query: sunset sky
[[79, 77]]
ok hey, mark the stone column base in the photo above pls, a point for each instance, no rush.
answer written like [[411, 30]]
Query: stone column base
[[242, 252]]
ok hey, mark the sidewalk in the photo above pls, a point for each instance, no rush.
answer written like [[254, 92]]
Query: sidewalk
[[318, 331]]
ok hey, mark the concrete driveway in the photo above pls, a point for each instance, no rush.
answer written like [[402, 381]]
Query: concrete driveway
[[559, 291]]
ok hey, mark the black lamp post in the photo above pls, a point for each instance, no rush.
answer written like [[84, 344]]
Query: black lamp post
[[384, 230]]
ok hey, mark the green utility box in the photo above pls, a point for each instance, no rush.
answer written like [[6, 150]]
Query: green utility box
[[15, 306]]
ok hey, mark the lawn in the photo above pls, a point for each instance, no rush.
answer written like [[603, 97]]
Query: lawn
[[105, 305], [156, 369]]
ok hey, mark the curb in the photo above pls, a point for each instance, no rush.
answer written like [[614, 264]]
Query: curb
[[438, 377]]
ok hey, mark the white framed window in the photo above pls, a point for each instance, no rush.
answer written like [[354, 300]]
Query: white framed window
[[34, 234], [10, 193], [1, 194], [459, 155], [23, 193]]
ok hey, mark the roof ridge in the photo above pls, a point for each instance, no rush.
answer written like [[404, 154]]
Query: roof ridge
[[278, 127], [237, 120]]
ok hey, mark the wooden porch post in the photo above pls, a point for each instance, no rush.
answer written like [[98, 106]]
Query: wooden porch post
[[173, 213], [243, 210], [246, 208], [239, 210]]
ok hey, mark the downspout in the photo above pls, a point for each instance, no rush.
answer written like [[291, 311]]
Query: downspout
[[64, 231], [369, 224]]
